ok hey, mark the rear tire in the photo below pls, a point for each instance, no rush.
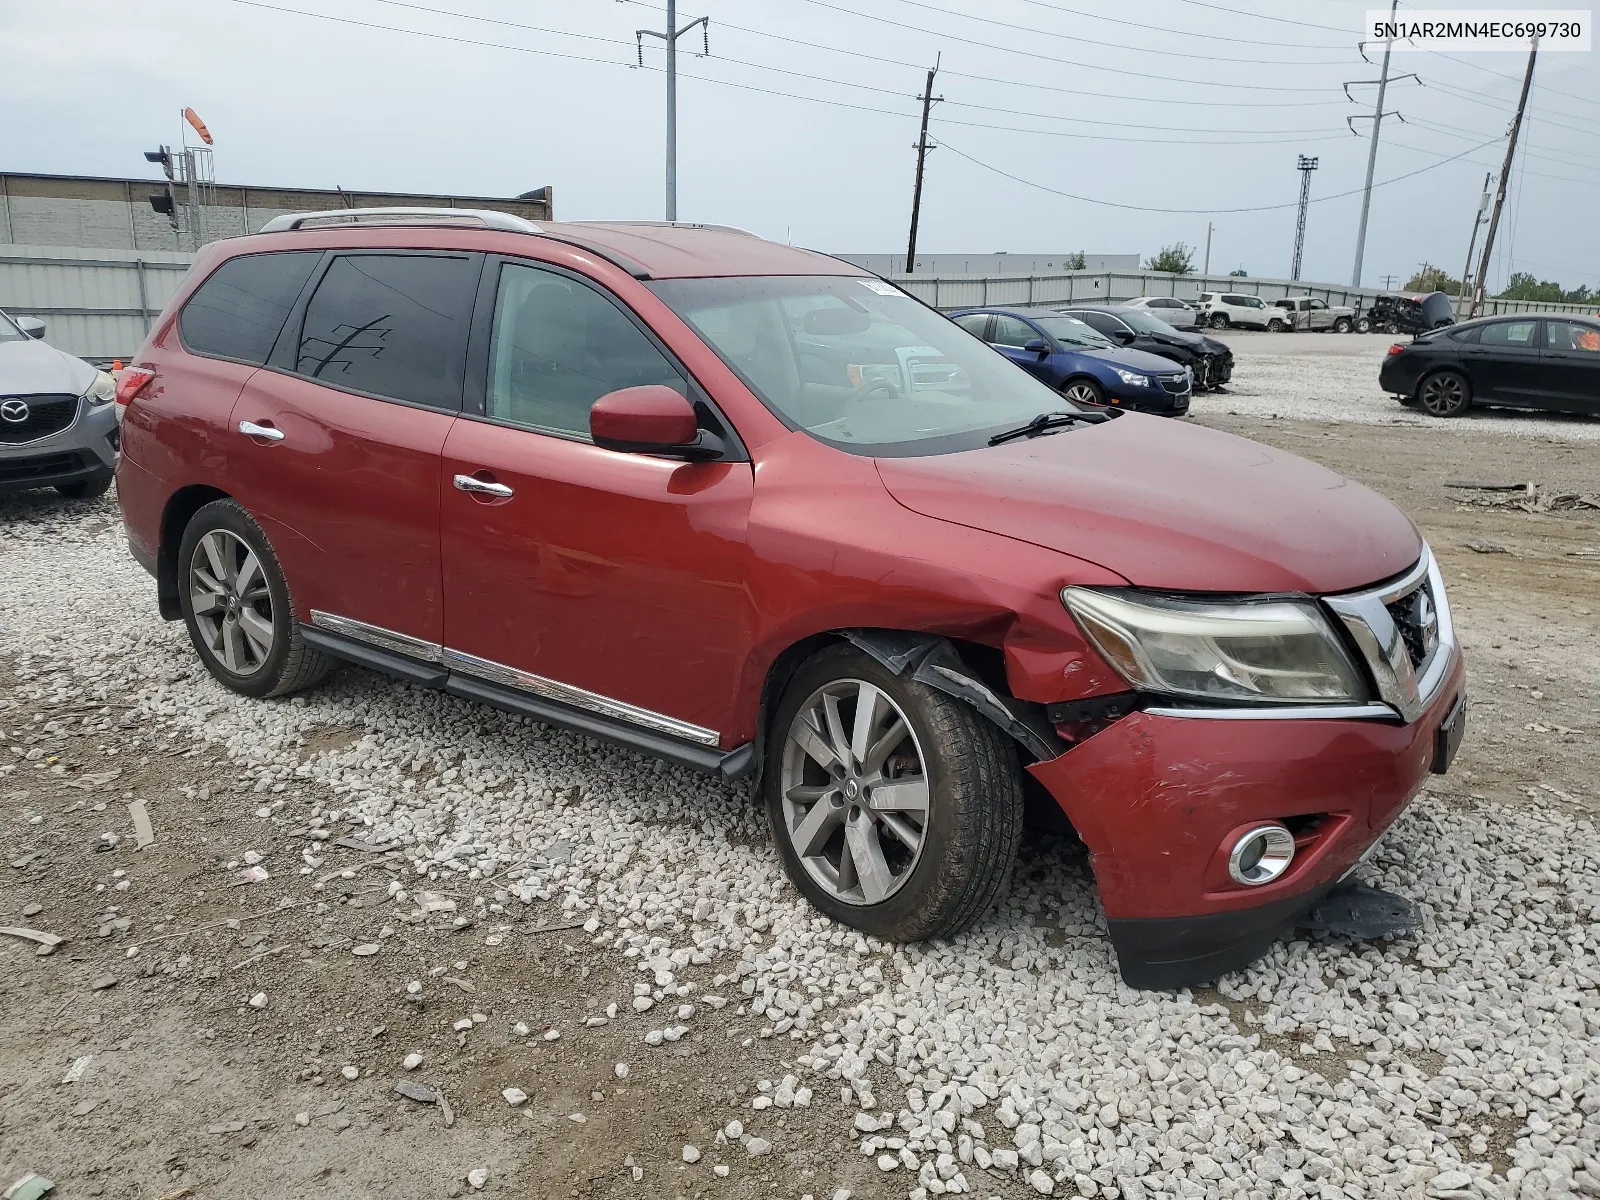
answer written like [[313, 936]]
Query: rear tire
[[950, 760], [244, 630], [1220, 321], [1445, 394], [91, 488]]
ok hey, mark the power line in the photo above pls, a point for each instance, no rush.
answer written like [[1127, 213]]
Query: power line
[[944, 144], [1591, 183], [1071, 37], [1056, 59], [1234, 12], [1211, 37], [1022, 83]]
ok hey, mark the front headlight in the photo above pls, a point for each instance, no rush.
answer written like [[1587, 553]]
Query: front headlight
[[1271, 651], [103, 390], [1133, 378]]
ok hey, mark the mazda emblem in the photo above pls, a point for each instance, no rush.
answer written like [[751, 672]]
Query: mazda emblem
[[14, 411]]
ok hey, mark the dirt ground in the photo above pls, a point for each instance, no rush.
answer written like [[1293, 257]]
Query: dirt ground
[[191, 1091]]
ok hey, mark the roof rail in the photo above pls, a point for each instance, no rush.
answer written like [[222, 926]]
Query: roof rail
[[673, 225], [486, 217]]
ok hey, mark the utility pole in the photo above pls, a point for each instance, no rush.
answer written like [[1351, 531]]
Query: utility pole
[[1206, 270], [1505, 178], [928, 101], [1372, 153], [670, 37], [1305, 167], [1464, 298]]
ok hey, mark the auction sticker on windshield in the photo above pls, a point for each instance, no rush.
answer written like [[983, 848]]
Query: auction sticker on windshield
[[879, 286]]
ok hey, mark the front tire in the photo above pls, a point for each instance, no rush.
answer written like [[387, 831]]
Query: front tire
[[1083, 391], [236, 606], [897, 809], [1363, 325], [1341, 325], [1445, 394], [91, 488]]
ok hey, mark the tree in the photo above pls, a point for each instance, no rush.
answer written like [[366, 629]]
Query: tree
[[1523, 286], [1076, 262], [1430, 278], [1177, 258], [1238, 273]]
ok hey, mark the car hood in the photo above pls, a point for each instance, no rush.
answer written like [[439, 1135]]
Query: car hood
[[1168, 505], [1134, 360], [32, 368], [1212, 346]]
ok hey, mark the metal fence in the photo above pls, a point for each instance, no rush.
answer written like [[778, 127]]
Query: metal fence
[[1108, 287], [96, 304]]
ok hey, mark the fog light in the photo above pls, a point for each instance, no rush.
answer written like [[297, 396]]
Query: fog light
[[1261, 855]]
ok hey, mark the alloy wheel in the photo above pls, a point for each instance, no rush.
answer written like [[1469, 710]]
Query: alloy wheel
[[1444, 395], [1081, 393], [231, 601], [855, 792]]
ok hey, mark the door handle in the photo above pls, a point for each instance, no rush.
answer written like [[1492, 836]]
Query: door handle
[[469, 483], [251, 429]]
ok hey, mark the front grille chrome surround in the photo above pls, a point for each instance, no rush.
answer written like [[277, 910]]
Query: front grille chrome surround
[[1405, 635]]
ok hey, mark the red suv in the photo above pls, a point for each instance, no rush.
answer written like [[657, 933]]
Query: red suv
[[754, 511]]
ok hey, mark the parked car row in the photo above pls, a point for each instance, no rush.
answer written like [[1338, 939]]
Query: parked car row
[[751, 510]]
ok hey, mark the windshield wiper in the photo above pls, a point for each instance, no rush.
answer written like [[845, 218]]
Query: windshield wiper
[[1045, 422]]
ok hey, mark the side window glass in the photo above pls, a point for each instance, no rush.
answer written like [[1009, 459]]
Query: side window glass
[[1469, 334], [239, 311], [973, 322], [1569, 335], [558, 346], [1509, 333], [1319, 304], [393, 325], [1009, 331]]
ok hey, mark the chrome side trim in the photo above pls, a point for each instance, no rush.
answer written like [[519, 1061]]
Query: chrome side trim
[[1407, 687], [564, 693], [387, 639], [1288, 712]]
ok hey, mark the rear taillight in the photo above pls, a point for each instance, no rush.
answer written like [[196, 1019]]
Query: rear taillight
[[1396, 348], [130, 382]]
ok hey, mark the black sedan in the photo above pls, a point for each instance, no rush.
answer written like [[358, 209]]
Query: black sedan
[[1209, 360], [1545, 361]]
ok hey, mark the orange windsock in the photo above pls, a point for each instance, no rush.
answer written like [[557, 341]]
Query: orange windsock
[[199, 126]]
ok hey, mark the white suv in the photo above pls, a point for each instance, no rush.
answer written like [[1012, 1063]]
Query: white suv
[[1223, 309]]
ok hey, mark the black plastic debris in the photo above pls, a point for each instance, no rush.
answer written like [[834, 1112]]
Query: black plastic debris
[[1360, 910]]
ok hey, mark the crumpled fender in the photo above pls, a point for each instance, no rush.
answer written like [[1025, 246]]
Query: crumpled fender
[[933, 660]]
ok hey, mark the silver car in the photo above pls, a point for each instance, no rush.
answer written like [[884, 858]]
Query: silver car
[[58, 419], [1175, 312]]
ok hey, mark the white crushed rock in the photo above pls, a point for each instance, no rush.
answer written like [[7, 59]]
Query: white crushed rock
[[1327, 1067]]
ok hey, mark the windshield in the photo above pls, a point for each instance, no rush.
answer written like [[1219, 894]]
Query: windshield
[[859, 364], [1142, 321], [1070, 331], [9, 331]]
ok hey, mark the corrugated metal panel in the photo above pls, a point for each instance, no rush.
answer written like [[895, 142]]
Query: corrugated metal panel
[[96, 304]]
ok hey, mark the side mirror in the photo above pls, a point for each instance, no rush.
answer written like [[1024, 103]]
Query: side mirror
[[653, 419], [31, 326], [1122, 335], [1037, 346]]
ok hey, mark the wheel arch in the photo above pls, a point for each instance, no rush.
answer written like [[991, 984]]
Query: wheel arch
[[175, 517], [953, 666]]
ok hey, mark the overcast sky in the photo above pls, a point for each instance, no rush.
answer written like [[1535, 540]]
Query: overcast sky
[[1168, 104]]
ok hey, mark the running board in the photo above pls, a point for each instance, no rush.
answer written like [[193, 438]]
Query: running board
[[734, 764]]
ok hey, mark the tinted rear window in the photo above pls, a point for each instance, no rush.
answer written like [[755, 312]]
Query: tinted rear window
[[238, 312], [392, 325]]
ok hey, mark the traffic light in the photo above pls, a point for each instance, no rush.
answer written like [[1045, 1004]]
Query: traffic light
[[165, 203], [162, 156]]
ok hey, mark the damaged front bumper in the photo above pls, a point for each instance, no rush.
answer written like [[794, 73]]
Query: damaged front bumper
[[1159, 797]]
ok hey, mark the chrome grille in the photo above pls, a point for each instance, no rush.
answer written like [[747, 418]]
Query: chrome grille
[[29, 418], [1404, 633]]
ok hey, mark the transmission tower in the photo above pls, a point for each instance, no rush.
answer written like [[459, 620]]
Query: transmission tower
[[1305, 166]]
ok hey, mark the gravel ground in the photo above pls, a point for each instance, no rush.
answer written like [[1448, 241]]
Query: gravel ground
[[1334, 377], [601, 966]]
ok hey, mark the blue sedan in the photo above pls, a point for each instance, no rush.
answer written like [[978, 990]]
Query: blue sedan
[[1083, 365]]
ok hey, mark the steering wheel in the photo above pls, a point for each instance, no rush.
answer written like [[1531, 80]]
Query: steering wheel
[[878, 387]]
